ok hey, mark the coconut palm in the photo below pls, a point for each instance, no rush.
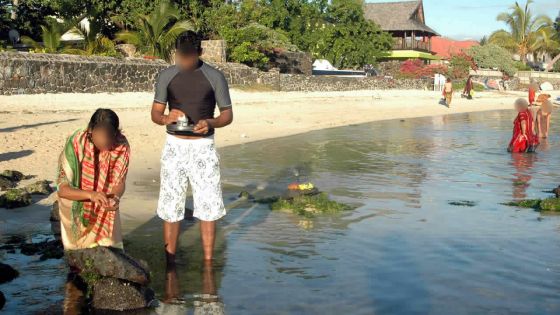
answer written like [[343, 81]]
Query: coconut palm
[[95, 43], [524, 30], [51, 34], [156, 33]]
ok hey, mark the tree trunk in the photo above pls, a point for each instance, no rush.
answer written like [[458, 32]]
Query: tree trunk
[[551, 63], [14, 9]]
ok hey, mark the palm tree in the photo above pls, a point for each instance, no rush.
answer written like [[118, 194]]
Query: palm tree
[[51, 34], [156, 33], [524, 30], [95, 43]]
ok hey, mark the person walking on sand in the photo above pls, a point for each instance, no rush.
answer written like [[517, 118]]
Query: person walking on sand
[[191, 89], [448, 92], [91, 179], [468, 91], [523, 138]]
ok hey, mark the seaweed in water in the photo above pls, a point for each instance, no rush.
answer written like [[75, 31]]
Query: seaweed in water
[[310, 205], [462, 203], [549, 204]]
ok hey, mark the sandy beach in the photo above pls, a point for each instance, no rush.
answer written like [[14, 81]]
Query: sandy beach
[[34, 127]]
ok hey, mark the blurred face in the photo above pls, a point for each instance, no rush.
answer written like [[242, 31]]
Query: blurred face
[[519, 107], [103, 139], [187, 61]]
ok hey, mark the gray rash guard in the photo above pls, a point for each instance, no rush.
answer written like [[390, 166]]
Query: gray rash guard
[[195, 92]]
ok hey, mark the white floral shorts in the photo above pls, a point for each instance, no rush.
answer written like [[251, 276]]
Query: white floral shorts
[[195, 161]]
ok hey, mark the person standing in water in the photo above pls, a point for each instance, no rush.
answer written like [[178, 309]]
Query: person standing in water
[[523, 138], [448, 92], [191, 89], [543, 115]]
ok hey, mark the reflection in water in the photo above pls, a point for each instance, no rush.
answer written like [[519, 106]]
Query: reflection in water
[[206, 301], [523, 162]]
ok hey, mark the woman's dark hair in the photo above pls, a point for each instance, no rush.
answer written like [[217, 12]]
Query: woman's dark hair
[[189, 42], [107, 119], [448, 80]]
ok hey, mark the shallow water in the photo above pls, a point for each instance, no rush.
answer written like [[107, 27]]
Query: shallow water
[[408, 248]]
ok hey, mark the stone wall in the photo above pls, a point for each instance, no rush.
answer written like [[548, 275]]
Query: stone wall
[[292, 62], [290, 82], [26, 73], [214, 51]]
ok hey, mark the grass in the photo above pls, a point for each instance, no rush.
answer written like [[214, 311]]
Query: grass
[[310, 206]]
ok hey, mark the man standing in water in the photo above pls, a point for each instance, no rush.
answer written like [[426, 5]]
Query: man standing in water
[[192, 89]]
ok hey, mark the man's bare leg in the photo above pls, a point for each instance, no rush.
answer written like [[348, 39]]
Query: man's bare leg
[[170, 237], [207, 233]]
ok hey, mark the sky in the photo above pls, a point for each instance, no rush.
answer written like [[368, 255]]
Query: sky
[[472, 19]]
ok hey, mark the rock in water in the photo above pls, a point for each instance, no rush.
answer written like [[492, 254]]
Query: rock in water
[[2, 300], [109, 262], [15, 198], [55, 215], [41, 187], [7, 273], [556, 191], [120, 295]]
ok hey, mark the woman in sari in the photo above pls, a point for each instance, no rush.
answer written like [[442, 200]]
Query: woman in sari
[[468, 91], [91, 179], [524, 138]]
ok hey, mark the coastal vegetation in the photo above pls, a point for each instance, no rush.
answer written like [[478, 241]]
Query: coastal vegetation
[[335, 30]]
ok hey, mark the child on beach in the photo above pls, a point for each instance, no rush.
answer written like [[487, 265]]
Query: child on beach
[[448, 92], [91, 179], [523, 138]]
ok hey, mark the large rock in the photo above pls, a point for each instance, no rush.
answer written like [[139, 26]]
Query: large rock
[[109, 262], [556, 191], [47, 250], [550, 204], [2, 300], [55, 214], [120, 295], [15, 198], [41, 187], [7, 273]]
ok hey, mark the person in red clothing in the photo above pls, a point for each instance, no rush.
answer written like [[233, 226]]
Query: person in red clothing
[[523, 138], [533, 87]]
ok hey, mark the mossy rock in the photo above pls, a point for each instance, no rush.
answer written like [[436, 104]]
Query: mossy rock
[[529, 203], [310, 206], [41, 187], [550, 204], [15, 198], [14, 176], [6, 183]]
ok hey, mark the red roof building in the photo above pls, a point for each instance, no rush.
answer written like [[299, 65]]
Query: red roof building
[[445, 47]]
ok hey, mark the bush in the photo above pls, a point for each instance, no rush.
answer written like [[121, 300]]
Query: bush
[[520, 66], [492, 56], [415, 68], [460, 66]]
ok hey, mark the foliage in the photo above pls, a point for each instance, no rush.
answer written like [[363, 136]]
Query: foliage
[[520, 66], [492, 56], [460, 66], [526, 33], [51, 34], [156, 33], [95, 43], [309, 206], [415, 68]]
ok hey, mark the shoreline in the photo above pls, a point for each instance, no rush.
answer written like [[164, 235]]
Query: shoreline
[[34, 127]]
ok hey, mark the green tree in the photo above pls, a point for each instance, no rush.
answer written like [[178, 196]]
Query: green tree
[[347, 39], [524, 30], [94, 43], [492, 56], [155, 33]]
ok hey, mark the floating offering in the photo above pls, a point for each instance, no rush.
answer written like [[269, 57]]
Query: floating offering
[[310, 205]]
